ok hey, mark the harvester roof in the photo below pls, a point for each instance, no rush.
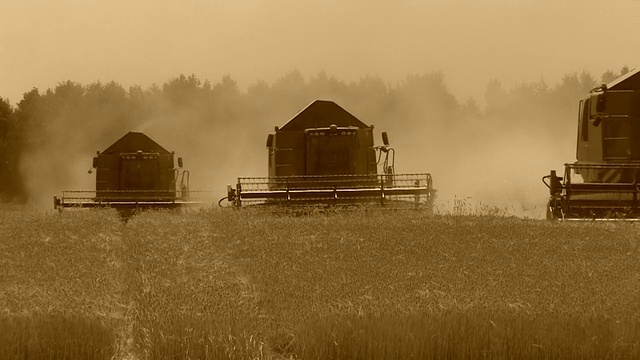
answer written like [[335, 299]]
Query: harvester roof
[[134, 141], [628, 81], [322, 113]]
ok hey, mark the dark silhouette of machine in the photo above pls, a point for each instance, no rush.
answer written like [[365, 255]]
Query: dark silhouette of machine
[[132, 174], [324, 155], [604, 182]]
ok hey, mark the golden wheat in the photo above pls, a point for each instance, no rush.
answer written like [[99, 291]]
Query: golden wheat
[[363, 284]]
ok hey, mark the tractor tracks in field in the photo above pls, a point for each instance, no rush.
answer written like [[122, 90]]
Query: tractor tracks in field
[[201, 270], [125, 345], [124, 313]]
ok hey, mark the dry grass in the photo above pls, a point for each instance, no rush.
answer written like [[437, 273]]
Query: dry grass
[[59, 284], [239, 284], [189, 299], [464, 335], [336, 276], [56, 336]]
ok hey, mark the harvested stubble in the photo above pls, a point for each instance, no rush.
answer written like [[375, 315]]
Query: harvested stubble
[[240, 284]]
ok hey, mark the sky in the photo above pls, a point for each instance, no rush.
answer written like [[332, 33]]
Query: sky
[[145, 42]]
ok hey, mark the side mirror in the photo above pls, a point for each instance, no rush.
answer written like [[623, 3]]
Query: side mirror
[[385, 138], [597, 121], [94, 164], [270, 141], [601, 103], [180, 163]]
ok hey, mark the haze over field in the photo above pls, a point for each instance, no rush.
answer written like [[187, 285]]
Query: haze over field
[[143, 42]]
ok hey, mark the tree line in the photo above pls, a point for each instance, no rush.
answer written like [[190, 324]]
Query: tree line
[[49, 131]]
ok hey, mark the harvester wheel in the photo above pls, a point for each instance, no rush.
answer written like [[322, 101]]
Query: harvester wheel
[[551, 211]]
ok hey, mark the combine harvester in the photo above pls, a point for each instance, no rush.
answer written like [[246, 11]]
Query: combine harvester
[[604, 182], [134, 173], [324, 156]]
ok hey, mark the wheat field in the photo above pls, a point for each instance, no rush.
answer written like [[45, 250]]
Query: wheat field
[[213, 284]]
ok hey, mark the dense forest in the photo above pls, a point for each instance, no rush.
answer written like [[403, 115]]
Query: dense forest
[[496, 151]]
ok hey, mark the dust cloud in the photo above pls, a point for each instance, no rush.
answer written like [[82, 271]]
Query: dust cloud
[[501, 173], [214, 156], [492, 157], [211, 126], [53, 160], [482, 162]]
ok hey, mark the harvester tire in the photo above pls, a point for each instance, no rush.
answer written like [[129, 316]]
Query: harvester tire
[[551, 214]]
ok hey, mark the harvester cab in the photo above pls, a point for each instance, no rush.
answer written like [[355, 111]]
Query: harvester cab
[[604, 182], [324, 155], [133, 173]]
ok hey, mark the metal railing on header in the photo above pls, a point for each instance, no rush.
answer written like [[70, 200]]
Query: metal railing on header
[[382, 189], [93, 198], [595, 191]]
